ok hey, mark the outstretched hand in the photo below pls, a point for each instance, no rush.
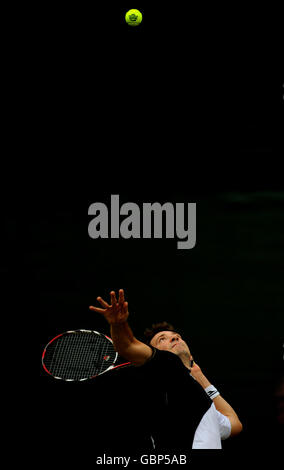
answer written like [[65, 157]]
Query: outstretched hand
[[117, 312]]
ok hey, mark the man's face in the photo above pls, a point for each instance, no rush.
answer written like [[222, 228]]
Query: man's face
[[170, 341]]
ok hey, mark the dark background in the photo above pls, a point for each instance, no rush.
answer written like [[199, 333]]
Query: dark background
[[184, 108]]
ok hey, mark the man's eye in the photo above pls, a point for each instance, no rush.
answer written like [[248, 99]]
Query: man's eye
[[161, 339]]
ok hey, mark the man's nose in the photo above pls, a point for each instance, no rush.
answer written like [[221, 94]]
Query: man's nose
[[174, 338]]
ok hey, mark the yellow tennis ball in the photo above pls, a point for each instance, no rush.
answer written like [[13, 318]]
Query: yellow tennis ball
[[133, 17]]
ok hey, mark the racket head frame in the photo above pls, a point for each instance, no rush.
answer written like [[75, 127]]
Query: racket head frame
[[112, 366]]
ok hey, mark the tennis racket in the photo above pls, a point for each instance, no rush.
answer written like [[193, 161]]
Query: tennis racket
[[79, 355]]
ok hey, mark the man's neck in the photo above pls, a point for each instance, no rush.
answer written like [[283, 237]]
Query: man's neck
[[185, 360]]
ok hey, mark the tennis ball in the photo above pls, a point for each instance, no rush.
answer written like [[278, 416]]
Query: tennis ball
[[133, 17]]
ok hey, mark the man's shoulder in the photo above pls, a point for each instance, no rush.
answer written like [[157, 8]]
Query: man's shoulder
[[163, 361]]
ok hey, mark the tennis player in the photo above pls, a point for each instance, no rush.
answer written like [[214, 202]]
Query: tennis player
[[187, 410]]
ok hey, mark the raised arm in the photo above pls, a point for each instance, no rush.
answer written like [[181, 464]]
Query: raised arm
[[124, 341]]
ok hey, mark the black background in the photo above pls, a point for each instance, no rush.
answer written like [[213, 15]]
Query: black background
[[184, 108]]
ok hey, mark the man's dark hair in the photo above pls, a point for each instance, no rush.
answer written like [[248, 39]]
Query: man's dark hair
[[149, 333]]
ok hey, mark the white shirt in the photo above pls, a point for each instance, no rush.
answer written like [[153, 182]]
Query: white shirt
[[212, 428]]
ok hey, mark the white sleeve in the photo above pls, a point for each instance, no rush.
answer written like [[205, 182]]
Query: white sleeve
[[224, 425]]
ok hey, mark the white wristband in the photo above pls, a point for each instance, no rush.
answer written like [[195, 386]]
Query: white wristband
[[212, 392]]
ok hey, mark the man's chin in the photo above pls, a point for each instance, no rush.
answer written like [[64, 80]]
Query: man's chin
[[178, 350]]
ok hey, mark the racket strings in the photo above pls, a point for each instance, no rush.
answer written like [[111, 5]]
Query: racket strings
[[79, 355]]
